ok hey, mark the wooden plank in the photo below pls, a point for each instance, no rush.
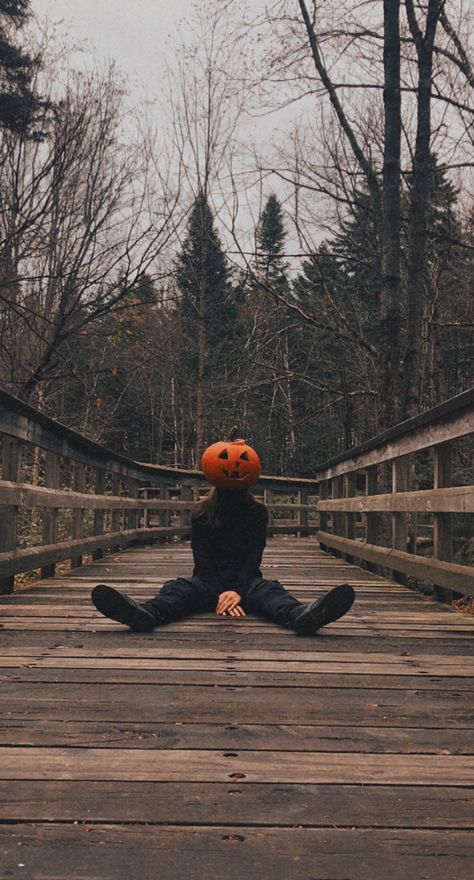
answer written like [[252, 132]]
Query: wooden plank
[[444, 574], [373, 672], [456, 499], [240, 627], [115, 852], [151, 648], [206, 765], [419, 620], [181, 675], [229, 641], [263, 804], [233, 704], [232, 737], [16, 561]]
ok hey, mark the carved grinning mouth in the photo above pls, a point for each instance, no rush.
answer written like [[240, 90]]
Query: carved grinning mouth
[[234, 475]]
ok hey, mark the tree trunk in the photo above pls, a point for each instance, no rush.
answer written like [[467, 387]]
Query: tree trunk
[[421, 187], [390, 292]]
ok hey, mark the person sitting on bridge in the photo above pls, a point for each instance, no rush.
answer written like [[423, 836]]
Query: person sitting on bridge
[[228, 536]]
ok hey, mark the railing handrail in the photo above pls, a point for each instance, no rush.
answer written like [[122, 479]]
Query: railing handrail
[[401, 499], [125, 500], [135, 501], [55, 437], [449, 414]]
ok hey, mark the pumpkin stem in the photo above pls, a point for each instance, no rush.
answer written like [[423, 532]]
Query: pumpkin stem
[[232, 433]]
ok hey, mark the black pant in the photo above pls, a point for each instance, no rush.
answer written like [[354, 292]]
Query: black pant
[[185, 596]]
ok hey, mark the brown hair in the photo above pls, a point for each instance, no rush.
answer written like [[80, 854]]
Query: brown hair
[[210, 507]]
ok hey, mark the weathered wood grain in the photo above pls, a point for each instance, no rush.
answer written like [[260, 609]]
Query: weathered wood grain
[[456, 499], [204, 765], [313, 737], [190, 675], [355, 746], [231, 704], [453, 576], [107, 852], [263, 804]]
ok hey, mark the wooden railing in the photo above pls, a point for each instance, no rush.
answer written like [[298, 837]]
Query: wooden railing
[[79, 499], [355, 505]]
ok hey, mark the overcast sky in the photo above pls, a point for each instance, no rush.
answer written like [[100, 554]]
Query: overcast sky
[[137, 34], [134, 33]]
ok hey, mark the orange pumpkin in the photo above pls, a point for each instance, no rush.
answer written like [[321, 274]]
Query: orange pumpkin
[[231, 464]]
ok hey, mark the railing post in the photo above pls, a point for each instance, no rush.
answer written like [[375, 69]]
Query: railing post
[[79, 485], [116, 513], [400, 481], [50, 514], [268, 500], [99, 514], [133, 513], [303, 518], [443, 523], [11, 458], [164, 514], [372, 520], [337, 517], [323, 516], [349, 519], [186, 495], [145, 494]]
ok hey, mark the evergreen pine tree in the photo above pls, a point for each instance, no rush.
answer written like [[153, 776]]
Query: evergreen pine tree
[[202, 274], [269, 261], [271, 406], [19, 105], [209, 321]]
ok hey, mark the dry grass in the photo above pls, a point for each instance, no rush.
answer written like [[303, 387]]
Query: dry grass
[[464, 605], [29, 578]]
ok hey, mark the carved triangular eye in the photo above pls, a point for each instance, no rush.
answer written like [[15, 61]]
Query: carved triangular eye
[[223, 454], [245, 456]]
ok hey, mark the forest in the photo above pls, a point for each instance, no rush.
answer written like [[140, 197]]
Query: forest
[[283, 242]]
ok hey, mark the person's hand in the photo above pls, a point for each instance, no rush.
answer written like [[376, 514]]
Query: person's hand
[[228, 603]]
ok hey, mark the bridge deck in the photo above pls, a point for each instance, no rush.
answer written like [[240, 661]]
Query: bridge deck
[[234, 748]]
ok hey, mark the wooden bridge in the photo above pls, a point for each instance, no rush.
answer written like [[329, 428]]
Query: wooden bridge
[[233, 748]]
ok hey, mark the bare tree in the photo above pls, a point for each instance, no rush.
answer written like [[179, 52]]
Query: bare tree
[[424, 39], [356, 146], [206, 94], [79, 227]]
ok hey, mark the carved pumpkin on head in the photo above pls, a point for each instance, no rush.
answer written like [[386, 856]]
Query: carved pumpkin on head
[[231, 464]]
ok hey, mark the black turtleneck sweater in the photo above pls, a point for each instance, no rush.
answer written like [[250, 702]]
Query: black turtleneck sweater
[[228, 556]]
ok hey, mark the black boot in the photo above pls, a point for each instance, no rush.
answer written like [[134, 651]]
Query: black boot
[[307, 620], [119, 607]]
